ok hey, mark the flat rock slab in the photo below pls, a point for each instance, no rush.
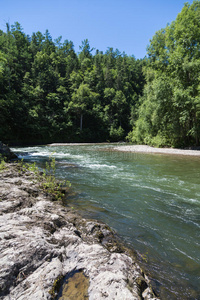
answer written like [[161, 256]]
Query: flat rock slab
[[44, 243]]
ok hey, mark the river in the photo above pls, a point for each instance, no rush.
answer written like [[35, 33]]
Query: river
[[151, 200]]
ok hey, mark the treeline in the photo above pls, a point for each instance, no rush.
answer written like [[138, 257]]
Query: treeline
[[169, 110], [49, 93]]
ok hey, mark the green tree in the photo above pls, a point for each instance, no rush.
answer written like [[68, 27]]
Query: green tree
[[170, 108], [2, 63], [82, 101], [85, 50]]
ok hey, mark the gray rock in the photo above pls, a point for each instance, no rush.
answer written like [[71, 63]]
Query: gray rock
[[6, 152], [42, 242]]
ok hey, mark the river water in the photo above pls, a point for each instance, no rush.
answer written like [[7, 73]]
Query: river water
[[151, 200]]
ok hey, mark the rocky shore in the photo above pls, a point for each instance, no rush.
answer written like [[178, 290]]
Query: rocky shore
[[48, 251]]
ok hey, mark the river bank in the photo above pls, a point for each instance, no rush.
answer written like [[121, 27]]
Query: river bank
[[149, 149], [195, 151], [49, 252]]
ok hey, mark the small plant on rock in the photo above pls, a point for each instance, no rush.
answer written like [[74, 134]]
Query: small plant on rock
[[47, 178], [2, 163]]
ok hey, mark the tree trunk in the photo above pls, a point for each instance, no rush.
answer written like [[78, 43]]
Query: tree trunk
[[81, 122]]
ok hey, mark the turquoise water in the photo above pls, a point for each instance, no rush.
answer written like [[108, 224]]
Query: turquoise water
[[151, 200]]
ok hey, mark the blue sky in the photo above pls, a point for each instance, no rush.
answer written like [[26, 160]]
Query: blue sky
[[124, 24]]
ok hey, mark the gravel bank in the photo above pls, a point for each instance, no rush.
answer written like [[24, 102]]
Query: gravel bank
[[148, 149]]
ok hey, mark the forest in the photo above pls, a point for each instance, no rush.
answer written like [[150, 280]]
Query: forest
[[50, 93]]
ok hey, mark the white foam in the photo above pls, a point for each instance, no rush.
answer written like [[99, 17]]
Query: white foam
[[101, 166]]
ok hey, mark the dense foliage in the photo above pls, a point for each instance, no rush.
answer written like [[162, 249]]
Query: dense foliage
[[49, 93], [169, 112]]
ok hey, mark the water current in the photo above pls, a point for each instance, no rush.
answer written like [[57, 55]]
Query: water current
[[151, 200]]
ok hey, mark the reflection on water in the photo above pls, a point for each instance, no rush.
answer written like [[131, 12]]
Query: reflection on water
[[152, 201]]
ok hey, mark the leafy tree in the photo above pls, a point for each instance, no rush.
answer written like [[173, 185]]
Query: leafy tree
[[85, 50], [169, 113], [2, 62], [82, 100]]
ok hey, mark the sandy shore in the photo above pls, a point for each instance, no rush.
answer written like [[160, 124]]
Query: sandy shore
[[148, 149]]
